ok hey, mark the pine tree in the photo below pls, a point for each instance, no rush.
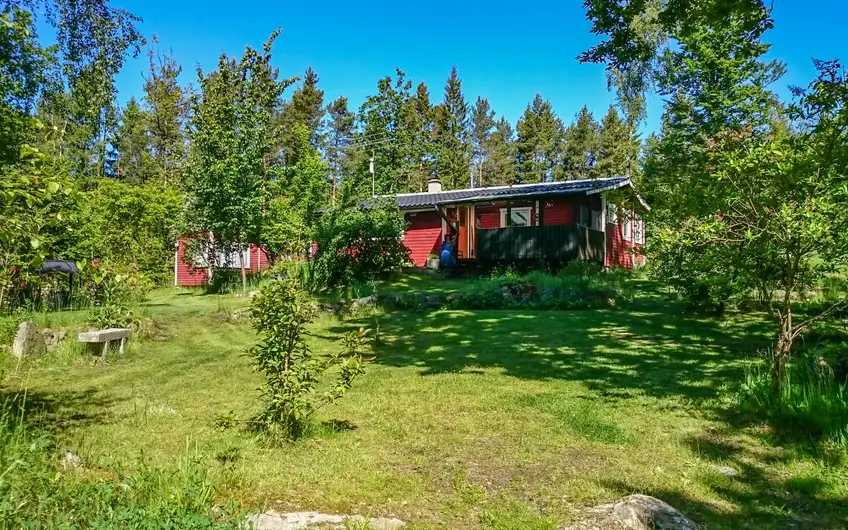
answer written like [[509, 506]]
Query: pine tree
[[482, 124], [305, 108], [499, 166], [168, 114], [615, 146], [339, 132], [135, 162], [452, 135], [539, 140], [581, 146]]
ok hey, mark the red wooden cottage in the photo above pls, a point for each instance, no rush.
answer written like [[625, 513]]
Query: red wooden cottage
[[555, 221], [196, 270]]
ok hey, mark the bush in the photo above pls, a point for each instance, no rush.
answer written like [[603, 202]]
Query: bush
[[356, 245], [36, 492], [811, 401], [579, 286], [112, 316], [292, 372]]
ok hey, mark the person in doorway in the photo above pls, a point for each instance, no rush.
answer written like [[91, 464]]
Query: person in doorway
[[447, 255]]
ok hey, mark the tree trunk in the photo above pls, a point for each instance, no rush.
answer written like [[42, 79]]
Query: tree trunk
[[782, 352], [241, 265]]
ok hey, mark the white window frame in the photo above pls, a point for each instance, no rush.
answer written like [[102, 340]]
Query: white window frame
[[627, 227], [226, 258], [523, 209], [638, 230], [612, 214]]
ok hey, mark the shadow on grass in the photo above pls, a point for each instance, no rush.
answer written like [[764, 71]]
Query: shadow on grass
[[60, 410], [618, 353], [762, 500]]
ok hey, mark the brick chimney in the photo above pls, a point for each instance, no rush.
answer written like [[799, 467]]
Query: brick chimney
[[434, 186]]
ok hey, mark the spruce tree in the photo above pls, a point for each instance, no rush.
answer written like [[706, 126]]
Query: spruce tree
[[499, 166], [582, 141], [615, 146], [339, 131], [132, 143], [452, 135], [415, 139], [539, 139], [305, 108], [168, 112], [482, 124]]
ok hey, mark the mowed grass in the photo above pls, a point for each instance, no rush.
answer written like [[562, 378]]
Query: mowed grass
[[463, 420]]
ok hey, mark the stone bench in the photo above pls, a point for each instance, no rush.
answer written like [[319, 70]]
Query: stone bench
[[106, 336]]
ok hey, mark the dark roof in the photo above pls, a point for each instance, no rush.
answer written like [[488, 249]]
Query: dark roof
[[410, 201]]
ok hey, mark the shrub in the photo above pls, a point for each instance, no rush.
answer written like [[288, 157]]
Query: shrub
[[112, 316], [292, 371], [577, 287], [811, 402], [357, 245]]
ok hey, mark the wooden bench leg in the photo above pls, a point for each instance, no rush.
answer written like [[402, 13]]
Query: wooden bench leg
[[122, 349], [105, 351]]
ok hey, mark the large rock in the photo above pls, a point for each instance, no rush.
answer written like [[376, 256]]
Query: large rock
[[641, 512], [28, 342], [635, 512], [272, 520]]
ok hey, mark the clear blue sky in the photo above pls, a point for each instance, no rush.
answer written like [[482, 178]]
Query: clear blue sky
[[505, 51]]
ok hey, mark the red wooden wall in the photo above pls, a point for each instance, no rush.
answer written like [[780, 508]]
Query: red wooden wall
[[423, 236], [189, 276]]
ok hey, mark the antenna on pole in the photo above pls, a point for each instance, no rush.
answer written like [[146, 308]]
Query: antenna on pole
[[371, 170]]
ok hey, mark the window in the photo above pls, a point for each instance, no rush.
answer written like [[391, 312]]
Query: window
[[228, 257], [589, 218], [612, 216], [517, 216], [627, 227], [638, 230], [584, 215]]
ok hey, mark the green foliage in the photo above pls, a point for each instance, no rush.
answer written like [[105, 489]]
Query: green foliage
[[540, 137], [36, 493], [233, 137], [130, 224], [576, 286], [617, 147], [292, 372], [582, 146], [356, 245], [451, 133], [109, 283], [811, 402], [305, 110], [340, 130], [112, 316]]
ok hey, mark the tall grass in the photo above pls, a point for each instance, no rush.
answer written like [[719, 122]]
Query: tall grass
[[37, 491], [811, 402]]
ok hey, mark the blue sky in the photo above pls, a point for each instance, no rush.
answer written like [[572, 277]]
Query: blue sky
[[505, 51]]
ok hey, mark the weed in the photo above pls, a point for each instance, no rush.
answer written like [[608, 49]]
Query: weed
[[811, 402]]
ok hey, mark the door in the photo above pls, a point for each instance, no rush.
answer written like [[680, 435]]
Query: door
[[463, 233]]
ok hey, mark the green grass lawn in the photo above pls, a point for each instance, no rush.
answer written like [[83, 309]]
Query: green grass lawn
[[464, 419]]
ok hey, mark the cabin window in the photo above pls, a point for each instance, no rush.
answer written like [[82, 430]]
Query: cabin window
[[638, 230], [517, 216], [228, 257], [590, 218], [612, 216], [627, 227]]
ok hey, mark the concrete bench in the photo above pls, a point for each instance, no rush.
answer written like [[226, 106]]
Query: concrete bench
[[106, 336]]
